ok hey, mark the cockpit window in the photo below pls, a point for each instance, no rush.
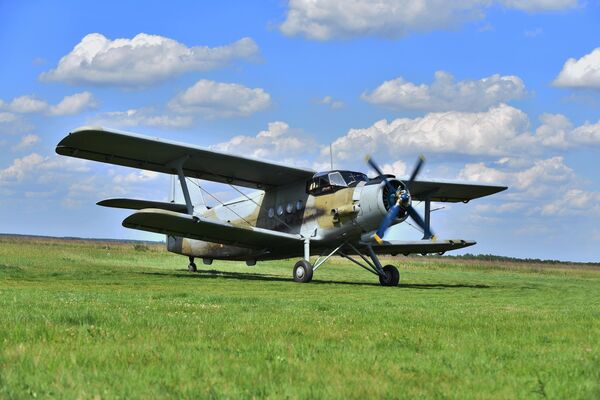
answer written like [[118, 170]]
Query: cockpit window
[[335, 179], [329, 182], [352, 178]]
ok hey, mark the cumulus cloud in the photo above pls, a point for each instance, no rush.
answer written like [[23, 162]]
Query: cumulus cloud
[[500, 131], [69, 105], [581, 73], [537, 179], [217, 99], [73, 104], [557, 131], [278, 141], [545, 186], [27, 141], [142, 117], [11, 124], [28, 104], [330, 102], [40, 168], [135, 177], [574, 201], [445, 94], [496, 131], [397, 168], [143, 60], [326, 19]]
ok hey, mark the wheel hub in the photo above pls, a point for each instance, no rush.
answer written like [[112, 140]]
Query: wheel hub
[[299, 272]]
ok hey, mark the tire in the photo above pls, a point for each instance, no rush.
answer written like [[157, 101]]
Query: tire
[[303, 272], [392, 276], [192, 267]]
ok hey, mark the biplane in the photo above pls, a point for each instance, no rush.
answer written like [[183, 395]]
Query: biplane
[[292, 213]]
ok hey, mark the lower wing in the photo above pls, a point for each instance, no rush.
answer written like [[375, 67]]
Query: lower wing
[[185, 225], [395, 247]]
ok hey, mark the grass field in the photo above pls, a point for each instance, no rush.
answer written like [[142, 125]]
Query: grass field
[[104, 320]]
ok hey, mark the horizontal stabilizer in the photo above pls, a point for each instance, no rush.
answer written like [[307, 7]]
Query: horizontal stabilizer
[[394, 247], [135, 204], [194, 227]]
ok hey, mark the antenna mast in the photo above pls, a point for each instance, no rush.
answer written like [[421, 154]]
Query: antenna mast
[[331, 154]]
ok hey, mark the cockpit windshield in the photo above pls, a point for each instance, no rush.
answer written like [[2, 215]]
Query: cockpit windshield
[[329, 182]]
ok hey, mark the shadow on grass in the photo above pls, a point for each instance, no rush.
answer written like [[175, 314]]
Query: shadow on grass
[[212, 273]]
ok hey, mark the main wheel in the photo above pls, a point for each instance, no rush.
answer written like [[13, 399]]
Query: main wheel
[[192, 267], [391, 278], [303, 271]]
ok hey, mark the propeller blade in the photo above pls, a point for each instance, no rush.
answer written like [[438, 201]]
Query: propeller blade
[[417, 168], [387, 222], [427, 234], [380, 173]]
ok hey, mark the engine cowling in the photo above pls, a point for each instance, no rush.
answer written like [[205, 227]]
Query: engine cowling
[[375, 201]]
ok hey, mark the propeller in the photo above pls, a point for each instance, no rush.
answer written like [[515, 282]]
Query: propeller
[[403, 202]]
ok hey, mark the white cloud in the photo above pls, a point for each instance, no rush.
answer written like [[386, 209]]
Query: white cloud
[[27, 104], [539, 5], [538, 179], [557, 131], [143, 60], [7, 117], [69, 105], [135, 177], [216, 99], [73, 104], [582, 73], [495, 132], [500, 131], [545, 187], [326, 19], [40, 168], [397, 168], [27, 141], [574, 201], [20, 167], [142, 116], [445, 94], [331, 102], [278, 141]]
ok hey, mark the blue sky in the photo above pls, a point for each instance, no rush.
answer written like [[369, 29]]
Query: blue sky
[[503, 92]]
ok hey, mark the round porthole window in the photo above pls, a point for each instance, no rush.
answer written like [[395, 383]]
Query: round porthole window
[[280, 210], [299, 205], [289, 208], [271, 212]]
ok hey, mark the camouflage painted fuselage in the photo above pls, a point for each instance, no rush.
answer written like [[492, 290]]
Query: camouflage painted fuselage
[[327, 219]]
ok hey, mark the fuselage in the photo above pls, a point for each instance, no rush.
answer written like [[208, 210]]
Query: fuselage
[[326, 214]]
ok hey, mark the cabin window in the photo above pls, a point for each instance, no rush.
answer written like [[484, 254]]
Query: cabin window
[[280, 210], [335, 179], [299, 205], [289, 208], [271, 212]]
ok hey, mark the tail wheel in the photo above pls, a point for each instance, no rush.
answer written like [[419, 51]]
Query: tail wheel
[[192, 267], [391, 278], [303, 271]]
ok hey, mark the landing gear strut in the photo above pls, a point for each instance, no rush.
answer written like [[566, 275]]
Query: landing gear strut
[[388, 275], [192, 265]]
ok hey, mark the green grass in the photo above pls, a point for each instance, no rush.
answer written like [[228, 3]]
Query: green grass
[[105, 320]]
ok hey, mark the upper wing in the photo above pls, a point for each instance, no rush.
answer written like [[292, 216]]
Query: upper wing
[[137, 151], [450, 192], [178, 224], [394, 247]]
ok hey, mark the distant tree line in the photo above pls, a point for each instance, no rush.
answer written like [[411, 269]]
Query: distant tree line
[[492, 257]]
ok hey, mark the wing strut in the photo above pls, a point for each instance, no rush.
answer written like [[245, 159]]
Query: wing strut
[[178, 165]]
